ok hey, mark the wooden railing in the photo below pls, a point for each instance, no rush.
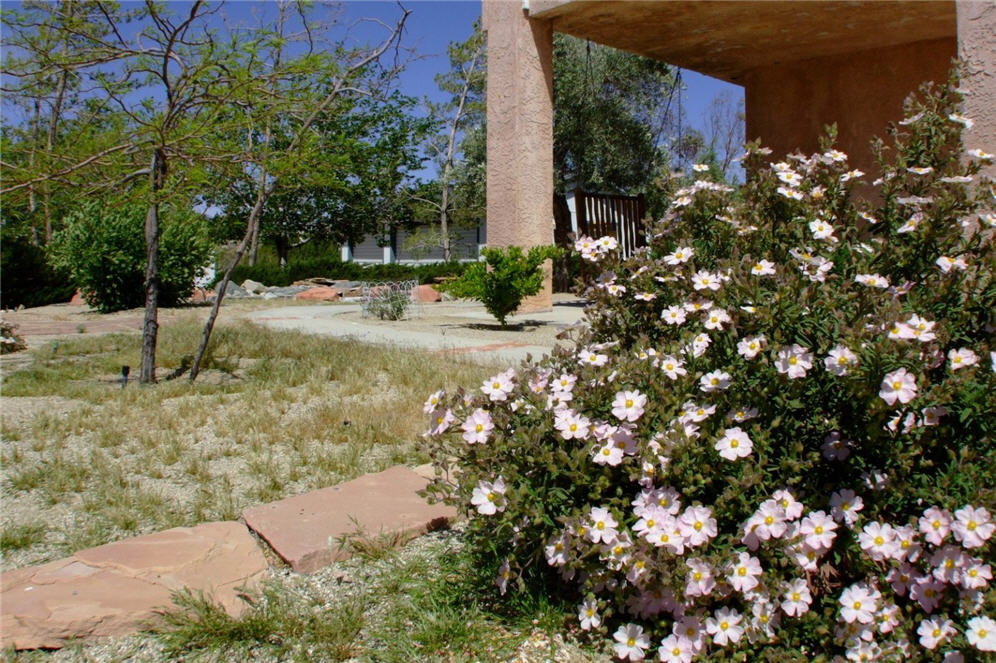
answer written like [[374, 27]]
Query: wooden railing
[[618, 216]]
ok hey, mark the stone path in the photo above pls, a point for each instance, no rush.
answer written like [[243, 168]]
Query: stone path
[[116, 588]]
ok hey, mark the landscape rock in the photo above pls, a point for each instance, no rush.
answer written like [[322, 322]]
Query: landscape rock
[[305, 529], [77, 299], [234, 290], [282, 292], [116, 588], [321, 293], [426, 293], [255, 287]]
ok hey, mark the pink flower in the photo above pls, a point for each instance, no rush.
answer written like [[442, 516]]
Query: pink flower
[[588, 615], [672, 367], [859, 603], [608, 454], [699, 581], [724, 627], [845, 505], [628, 405], [498, 388], [840, 360], [631, 642], [749, 347], [796, 599], [676, 650], [743, 573], [878, 540], [602, 528], [961, 358], [440, 420], [673, 315], [488, 497], [935, 525], [477, 428], [572, 425], [794, 361], [690, 628], [697, 525], [972, 526], [715, 381], [734, 444], [927, 592], [592, 358], [981, 633], [899, 385], [934, 631], [975, 574], [679, 255], [817, 530], [432, 403]]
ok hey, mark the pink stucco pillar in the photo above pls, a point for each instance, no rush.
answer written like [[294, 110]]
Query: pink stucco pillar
[[520, 132], [977, 48]]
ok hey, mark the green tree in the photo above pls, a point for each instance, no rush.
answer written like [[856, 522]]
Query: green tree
[[464, 111]]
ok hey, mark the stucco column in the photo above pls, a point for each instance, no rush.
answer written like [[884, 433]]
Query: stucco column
[[977, 48], [520, 132]]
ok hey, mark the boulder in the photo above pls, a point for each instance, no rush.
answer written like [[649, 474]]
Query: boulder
[[426, 293], [235, 291], [255, 287], [282, 293], [77, 299], [320, 293]]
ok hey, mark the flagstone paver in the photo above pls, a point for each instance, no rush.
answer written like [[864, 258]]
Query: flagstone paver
[[305, 529], [115, 588]]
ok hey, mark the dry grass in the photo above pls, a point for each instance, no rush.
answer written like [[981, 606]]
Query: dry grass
[[85, 462]]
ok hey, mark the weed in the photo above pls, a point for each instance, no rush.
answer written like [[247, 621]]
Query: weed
[[18, 537]]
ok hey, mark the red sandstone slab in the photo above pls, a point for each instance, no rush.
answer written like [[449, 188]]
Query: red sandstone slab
[[115, 588], [304, 529]]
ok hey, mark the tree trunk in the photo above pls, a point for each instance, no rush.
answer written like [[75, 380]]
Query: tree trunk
[[150, 329], [253, 243], [444, 217], [257, 212], [283, 249]]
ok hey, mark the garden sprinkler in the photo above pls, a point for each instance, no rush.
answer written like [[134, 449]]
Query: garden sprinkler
[[124, 376]]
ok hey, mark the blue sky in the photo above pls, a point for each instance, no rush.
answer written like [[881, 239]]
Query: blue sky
[[433, 24]]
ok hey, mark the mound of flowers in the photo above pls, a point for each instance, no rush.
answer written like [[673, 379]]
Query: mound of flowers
[[774, 439]]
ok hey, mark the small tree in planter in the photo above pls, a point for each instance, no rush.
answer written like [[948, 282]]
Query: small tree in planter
[[505, 278], [775, 443]]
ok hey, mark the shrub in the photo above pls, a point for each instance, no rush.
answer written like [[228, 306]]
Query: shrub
[[388, 300], [504, 279], [775, 440], [27, 277], [103, 250]]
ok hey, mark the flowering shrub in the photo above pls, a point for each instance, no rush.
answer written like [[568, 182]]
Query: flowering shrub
[[774, 441]]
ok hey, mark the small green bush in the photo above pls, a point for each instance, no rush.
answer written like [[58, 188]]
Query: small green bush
[[27, 278], [504, 279], [103, 250], [775, 442]]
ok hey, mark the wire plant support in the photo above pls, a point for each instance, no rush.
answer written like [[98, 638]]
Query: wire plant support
[[391, 300]]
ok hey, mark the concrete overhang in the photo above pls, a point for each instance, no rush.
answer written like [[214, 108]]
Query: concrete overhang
[[726, 39]]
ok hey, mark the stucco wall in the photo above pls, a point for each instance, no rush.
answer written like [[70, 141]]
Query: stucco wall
[[520, 131], [788, 105], [977, 47]]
